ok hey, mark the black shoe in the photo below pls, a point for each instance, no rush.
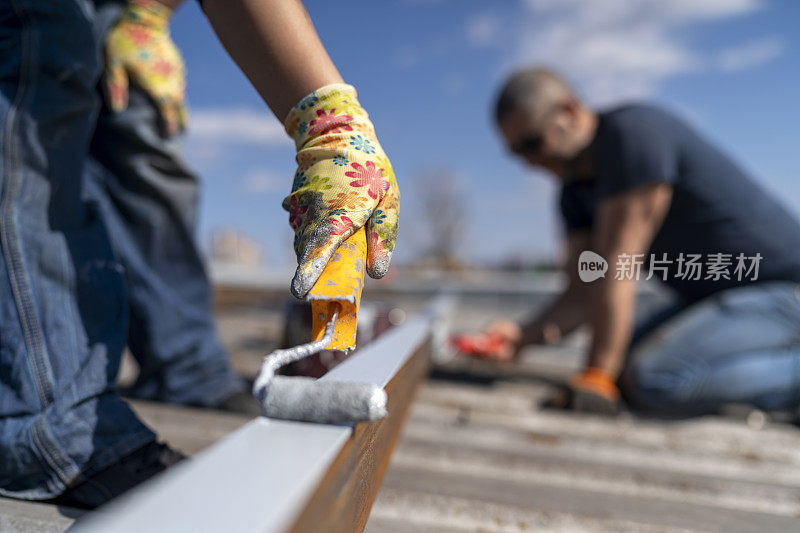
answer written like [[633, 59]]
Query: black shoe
[[581, 401], [126, 473], [242, 402]]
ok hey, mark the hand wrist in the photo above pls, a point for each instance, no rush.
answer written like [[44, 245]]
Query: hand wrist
[[172, 5], [551, 333], [547, 333], [333, 108], [149, 13]]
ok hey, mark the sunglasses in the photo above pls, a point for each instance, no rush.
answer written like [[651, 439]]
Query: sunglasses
[[532, 144], [528, 145]]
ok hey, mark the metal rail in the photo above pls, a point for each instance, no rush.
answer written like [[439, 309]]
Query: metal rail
[[274, 475]]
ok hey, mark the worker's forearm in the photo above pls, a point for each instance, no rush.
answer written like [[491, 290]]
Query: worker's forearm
[[564, 315], [171, 4], [276, 46], [612, 323]]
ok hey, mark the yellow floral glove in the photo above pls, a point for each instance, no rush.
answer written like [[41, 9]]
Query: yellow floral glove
[[139, 50], [343, 182]]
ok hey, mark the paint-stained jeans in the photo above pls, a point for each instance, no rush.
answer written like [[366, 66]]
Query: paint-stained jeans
[[63, 305], [737, 346]]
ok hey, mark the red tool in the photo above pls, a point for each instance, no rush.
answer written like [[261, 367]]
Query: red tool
[[480, 345]]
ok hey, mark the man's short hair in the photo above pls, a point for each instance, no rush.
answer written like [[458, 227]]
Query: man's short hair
[[531, 89]]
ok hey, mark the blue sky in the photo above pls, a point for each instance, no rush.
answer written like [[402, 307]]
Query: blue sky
[[427, 72]]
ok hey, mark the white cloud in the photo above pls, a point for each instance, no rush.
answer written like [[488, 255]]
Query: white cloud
[[750, 54], [236, 125], [260, 181], [618, 49], [690, 10], [674, 10], [483, 30]]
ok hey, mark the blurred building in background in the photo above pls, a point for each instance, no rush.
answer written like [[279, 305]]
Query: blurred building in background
[[234, 247]]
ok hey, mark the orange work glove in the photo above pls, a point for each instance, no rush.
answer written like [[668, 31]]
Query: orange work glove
[[594, 391]]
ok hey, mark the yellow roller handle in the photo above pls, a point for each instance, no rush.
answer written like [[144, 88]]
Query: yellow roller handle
[[340, 283]]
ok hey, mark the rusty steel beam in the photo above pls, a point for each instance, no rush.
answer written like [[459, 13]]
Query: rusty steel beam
[[275, 475]]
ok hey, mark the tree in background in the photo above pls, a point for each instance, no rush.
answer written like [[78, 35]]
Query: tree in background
[[444, 207]]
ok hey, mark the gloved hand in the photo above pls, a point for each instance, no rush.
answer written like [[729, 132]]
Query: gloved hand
[[485, 346], [591, 391], [344, 181], [594, 391], [139, 50], [507, 336]]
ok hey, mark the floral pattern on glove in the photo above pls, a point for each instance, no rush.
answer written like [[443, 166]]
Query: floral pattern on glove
[[352, 184], [140, 51]]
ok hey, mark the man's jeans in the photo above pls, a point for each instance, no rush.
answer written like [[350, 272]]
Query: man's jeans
[[737, 346], [148, 201], [63, 309], [63, 303]]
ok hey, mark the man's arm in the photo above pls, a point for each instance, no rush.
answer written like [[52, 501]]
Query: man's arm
[[569, 310], [562, 316], [172, 4], [626, 224], [275, 44]]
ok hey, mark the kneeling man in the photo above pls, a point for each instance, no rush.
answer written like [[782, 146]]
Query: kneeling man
[[655, 199]]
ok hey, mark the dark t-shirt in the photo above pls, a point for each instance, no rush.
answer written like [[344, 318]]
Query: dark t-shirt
[[717, 213]]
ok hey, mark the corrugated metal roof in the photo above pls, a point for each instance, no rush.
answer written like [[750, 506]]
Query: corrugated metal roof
[[478, 454]]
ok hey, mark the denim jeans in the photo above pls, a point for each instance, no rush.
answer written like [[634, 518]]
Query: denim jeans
[[148, 200], [739, 346], [63, 300], [63, 305]]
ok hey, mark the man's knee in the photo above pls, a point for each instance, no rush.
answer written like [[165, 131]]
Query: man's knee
[[658, 386]]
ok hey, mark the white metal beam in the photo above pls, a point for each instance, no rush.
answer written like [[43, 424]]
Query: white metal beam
[[259, 477]]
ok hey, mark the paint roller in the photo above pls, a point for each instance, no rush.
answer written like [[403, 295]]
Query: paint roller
[[334, 299]]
